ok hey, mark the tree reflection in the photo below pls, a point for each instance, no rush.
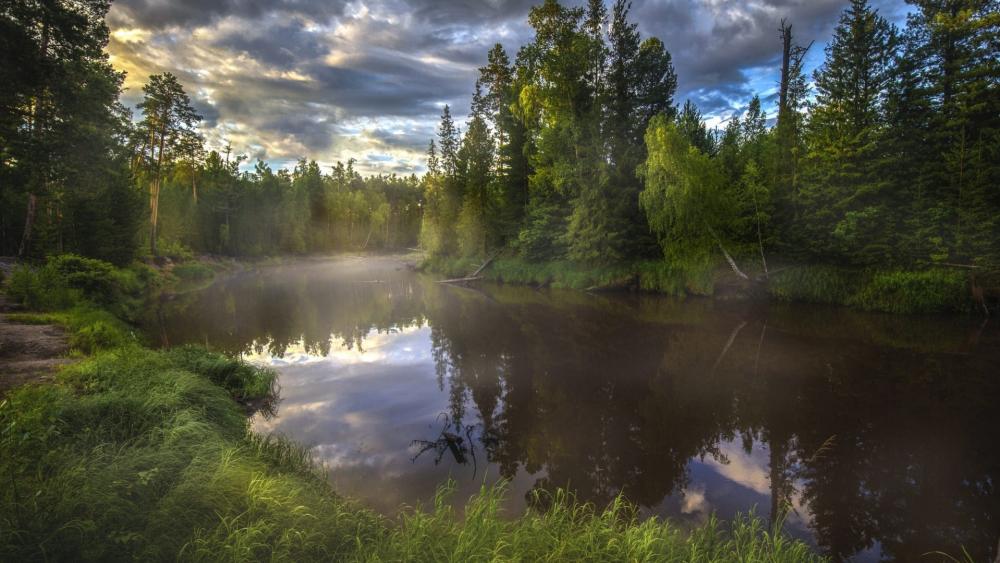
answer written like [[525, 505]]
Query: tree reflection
[[886, 446], [879, 430]]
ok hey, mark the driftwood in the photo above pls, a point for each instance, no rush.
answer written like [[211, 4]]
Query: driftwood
[[474, 276], [622, 284], [462, 280], [488, 261]]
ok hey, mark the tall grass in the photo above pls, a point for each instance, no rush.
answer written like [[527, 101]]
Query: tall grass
[[890, 291], [570, 531]]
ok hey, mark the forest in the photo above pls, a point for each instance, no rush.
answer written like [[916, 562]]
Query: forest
[[575, 150], [887, 156]]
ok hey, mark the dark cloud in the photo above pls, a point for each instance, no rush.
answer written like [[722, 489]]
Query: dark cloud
[[339, 79], [159, 14]]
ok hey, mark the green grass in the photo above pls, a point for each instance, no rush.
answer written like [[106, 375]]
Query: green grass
[[138, 454], [91, 329], [655, 276], [890, 291], [570, 531]]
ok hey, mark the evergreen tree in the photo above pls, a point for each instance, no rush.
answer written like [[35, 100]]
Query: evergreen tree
[[847, 213], [168, 133]]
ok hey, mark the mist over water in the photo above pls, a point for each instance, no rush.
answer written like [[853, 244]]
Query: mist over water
[[874, 434]]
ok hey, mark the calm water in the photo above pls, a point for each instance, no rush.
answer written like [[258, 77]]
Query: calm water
[[878, 434]]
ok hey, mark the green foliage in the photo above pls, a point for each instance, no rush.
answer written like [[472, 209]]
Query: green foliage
[[148, 459], [569, 531], [928, 291], [91, 329], [241, 379], [40, 289], [176, 250], [67, 280], [686, 200], [193, 271]]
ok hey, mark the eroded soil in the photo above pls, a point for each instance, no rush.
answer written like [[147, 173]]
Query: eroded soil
[[29, 353]]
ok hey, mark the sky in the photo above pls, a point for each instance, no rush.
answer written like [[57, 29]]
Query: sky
[[332, 80]]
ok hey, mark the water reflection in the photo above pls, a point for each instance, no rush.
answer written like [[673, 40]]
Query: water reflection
[[875, 434]]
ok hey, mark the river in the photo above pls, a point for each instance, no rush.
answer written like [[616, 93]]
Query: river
[[875, 436]]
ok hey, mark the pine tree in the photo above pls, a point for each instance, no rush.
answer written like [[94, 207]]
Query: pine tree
[[843, 191], [168, 130]]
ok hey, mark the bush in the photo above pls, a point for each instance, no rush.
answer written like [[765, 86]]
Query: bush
[[97, 281], [41, 289], [68, 280], [175, 250]]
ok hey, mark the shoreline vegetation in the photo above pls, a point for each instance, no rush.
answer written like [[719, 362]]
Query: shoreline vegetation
[[898, 291], [137, 453]]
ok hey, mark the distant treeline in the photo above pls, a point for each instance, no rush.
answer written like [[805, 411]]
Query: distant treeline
[[576, 150], [79, 175]]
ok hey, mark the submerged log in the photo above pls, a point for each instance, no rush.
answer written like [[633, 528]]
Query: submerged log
[[462, 280]]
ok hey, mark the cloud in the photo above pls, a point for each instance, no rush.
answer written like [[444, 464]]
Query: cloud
[[333, 80]]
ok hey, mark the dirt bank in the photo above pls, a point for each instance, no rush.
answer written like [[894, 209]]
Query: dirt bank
[[29, 353]]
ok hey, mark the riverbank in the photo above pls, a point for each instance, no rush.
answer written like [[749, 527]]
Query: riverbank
[[937, 290], [134, 453]]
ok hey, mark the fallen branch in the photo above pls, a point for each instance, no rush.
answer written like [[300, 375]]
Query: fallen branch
[[480, 269], [732, 263], [462, 280]]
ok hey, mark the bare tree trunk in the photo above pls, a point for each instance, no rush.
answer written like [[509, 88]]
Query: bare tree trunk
[[37, 122], [29, 220], [154, 196], [786, 59]]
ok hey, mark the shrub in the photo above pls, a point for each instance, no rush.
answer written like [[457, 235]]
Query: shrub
[[97, 281], [68, 280], [175, 250], [41, 289]]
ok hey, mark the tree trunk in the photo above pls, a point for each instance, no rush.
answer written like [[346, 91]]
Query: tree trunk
[[786, 59], [154, 192], [37, 122], [29, 220]]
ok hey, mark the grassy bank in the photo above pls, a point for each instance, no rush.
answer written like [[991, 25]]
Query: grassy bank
[[144, 454], [140, 454], [938, 290]]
